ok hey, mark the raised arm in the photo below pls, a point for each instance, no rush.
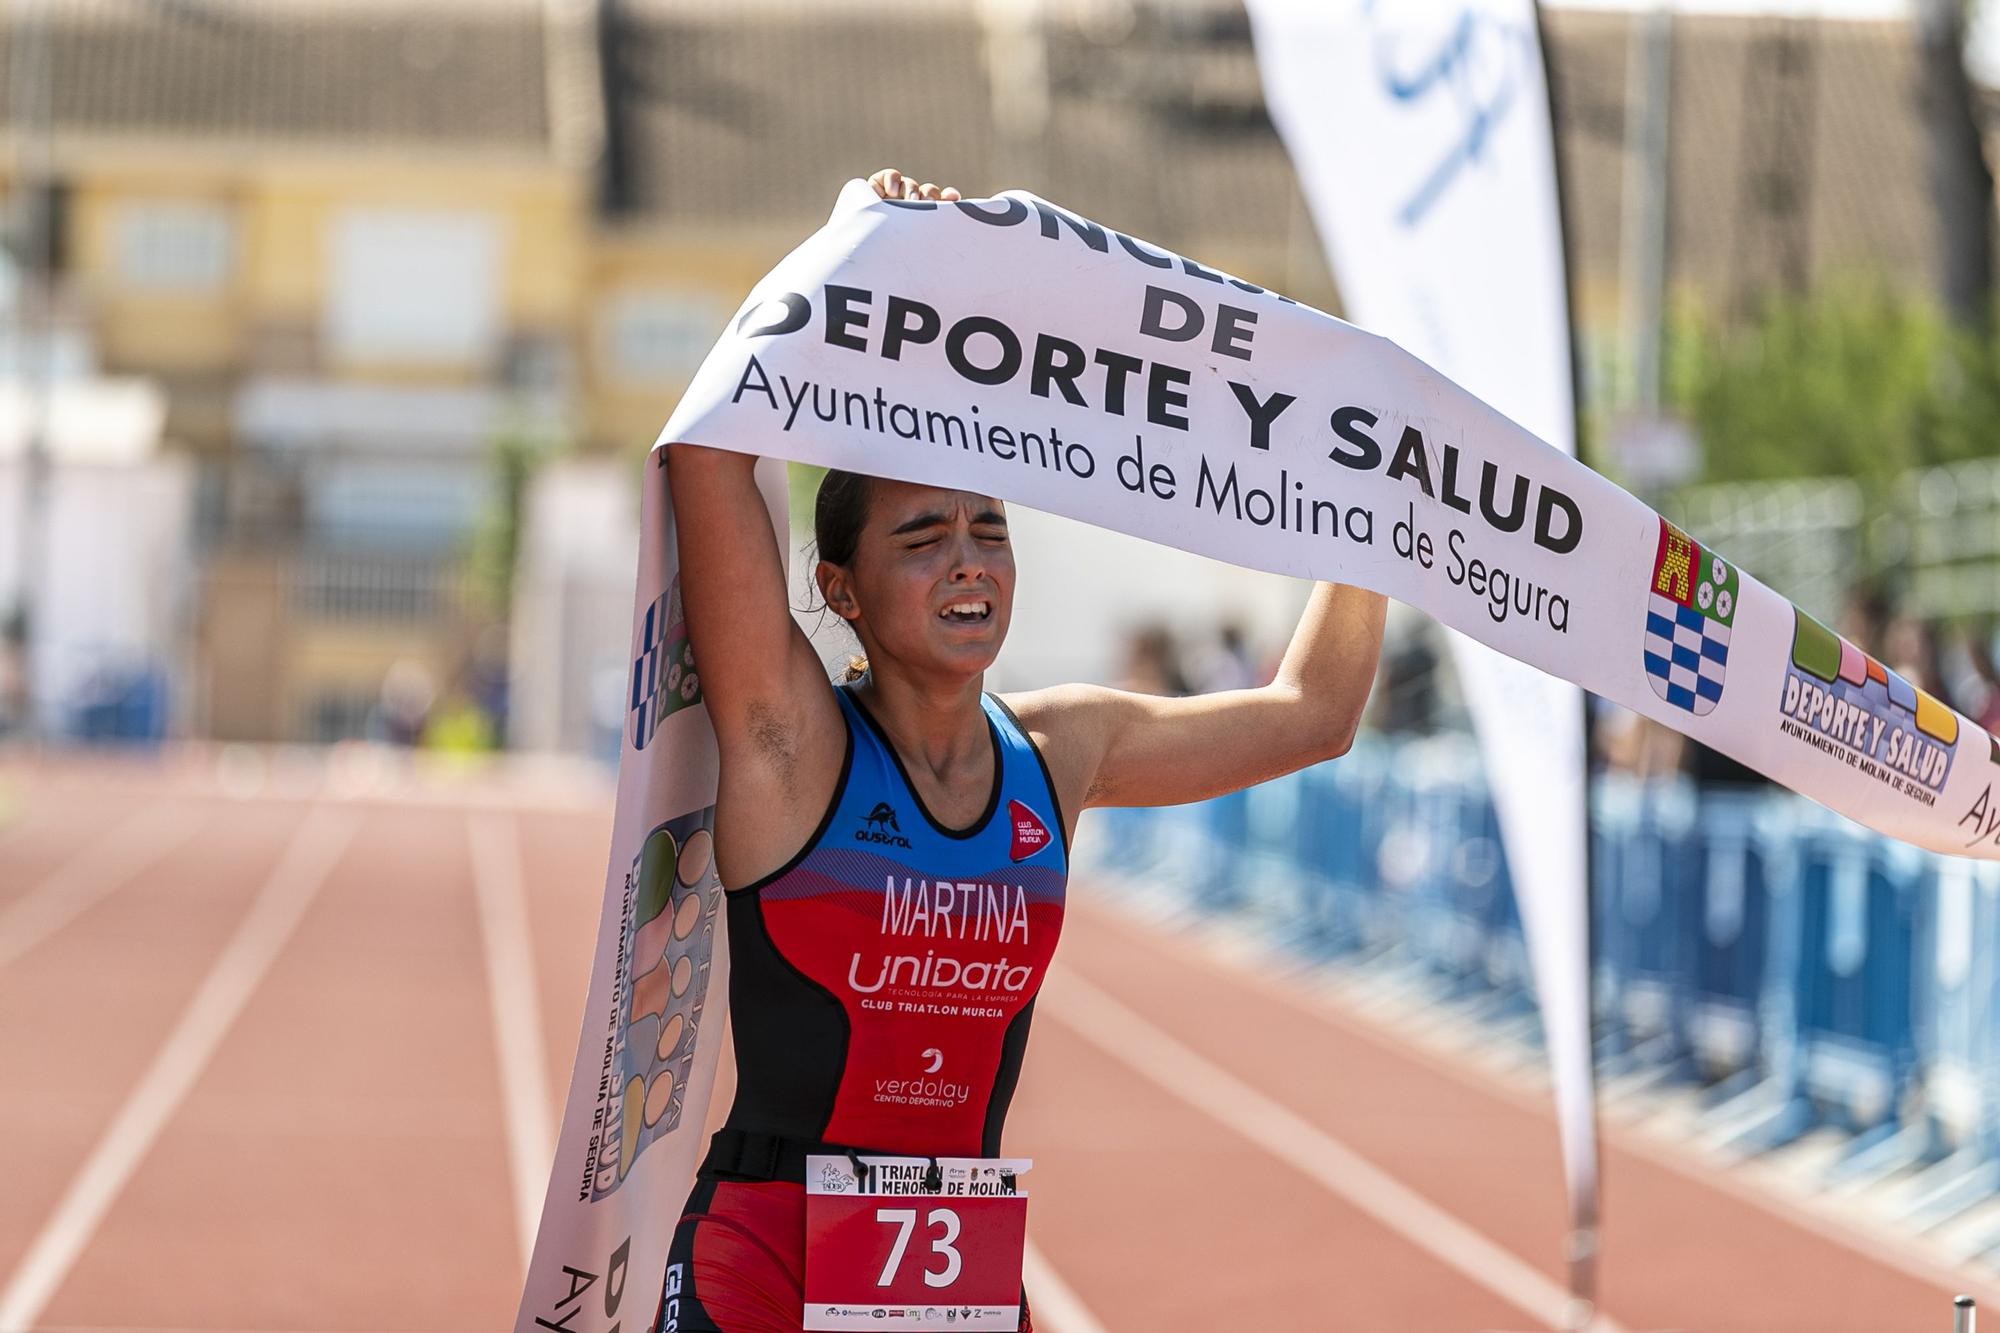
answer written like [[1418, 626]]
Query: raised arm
[[1112, 747], [777, 723], [759, 672]]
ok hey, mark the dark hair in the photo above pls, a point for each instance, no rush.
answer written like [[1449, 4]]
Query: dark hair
[[839, 512]]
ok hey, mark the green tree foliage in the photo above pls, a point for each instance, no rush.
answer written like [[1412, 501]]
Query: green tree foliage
[[1853, 380], [802, 481]]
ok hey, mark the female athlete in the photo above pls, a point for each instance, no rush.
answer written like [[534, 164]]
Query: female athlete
[[896, 848]]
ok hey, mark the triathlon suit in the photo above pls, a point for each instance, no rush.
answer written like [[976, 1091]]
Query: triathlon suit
[[881, 985]]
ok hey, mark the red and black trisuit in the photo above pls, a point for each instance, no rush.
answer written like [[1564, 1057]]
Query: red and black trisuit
[[880, 988]]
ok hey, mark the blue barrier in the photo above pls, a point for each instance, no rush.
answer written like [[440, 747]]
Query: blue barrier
[[123, 706], [1855, 1018], [1746, 942], [1956, 1018], [1732, 867]]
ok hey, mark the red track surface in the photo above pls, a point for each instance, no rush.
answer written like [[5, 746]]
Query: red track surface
[[338, 1160]]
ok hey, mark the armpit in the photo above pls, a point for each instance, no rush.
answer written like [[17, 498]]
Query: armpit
[[776, 740]]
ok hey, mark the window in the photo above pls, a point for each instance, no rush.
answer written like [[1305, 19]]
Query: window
[[175, 247], [659, 335], [414, 286]]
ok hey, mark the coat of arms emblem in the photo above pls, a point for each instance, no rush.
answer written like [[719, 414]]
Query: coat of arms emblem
[[1689, 612]]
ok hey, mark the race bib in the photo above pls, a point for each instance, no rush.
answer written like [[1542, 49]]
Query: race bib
[[908, 1244]]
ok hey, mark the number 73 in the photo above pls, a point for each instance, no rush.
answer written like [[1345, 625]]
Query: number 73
[[905, 1219]]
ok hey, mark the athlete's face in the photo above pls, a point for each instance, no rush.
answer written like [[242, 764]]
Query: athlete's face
[[931, 584]]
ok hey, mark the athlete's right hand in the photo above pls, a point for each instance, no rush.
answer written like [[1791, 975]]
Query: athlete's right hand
[[890, 183]]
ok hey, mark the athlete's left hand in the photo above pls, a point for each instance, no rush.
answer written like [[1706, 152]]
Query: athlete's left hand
[[890, 183]]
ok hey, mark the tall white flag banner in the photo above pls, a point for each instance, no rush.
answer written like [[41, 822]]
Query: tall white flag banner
[[1008, 347], [1421, 136]]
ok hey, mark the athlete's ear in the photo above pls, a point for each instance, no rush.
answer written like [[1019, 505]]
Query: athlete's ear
[[836, 590]]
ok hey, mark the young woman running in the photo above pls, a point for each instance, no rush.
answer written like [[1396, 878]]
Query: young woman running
[[895, 849]]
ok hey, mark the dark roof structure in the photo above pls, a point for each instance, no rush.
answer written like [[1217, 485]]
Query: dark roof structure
[[717, 115], [725, 116], [456, 75], [1798, 147]]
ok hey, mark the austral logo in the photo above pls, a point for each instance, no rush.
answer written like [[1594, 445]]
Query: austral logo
[[1843, 702], [1689, 615], [879, 825]]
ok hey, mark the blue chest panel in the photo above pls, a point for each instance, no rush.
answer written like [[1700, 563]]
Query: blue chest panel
[[879, 810]]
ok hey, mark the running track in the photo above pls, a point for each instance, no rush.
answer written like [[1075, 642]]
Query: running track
[[253, 1076]]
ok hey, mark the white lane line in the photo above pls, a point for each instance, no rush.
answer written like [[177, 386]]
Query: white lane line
[[1529, 1091], [517, 1015], [227, 988], [1140, 1046], [107, 863], [1055, 1306]]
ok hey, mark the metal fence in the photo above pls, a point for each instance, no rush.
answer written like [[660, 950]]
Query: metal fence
[[1936, 537], [1802, 973]]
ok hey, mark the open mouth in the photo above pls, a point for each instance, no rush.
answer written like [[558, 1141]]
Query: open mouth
[[967, 611]]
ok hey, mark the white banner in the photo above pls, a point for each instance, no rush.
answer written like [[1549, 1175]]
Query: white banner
[[634, 1119], [1421, 137], [1008, 347]]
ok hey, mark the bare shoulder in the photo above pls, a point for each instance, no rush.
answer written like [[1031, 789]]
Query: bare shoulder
[[1057, 712], [1069, 725]]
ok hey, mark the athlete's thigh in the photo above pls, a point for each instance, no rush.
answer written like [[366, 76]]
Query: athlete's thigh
[[737, 1261]]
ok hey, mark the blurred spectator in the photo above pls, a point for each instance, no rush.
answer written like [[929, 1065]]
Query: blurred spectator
[[13, 674], [1863, 618], [486, 681], [1965, 664], [458, 726], [1152, 662], [1909, 648], [1406, 693], [1228, 664], [1627, 742], [1982, 693], [407, 695], [1713, 770]]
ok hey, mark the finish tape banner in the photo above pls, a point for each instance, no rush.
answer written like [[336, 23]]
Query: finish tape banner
[[1010, 347]]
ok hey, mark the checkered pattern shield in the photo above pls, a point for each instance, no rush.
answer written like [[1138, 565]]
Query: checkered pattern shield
[[1689, 613]]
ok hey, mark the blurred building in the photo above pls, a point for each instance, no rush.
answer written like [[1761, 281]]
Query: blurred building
[[372, 252], [349, 244], [1799, 148]]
